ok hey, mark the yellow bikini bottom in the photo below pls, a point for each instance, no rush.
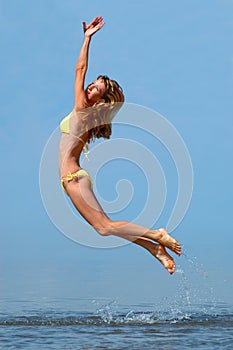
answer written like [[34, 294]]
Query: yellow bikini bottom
[[71, 176]]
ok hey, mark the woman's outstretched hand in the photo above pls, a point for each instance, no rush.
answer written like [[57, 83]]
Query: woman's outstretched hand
[[93, 27]]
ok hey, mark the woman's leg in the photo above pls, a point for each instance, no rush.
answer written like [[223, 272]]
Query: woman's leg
[[84, 200]]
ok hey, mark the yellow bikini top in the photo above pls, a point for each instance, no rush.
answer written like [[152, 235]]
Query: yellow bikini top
[[65, 128]]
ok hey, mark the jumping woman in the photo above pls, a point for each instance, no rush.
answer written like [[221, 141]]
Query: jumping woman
[[94, 108]]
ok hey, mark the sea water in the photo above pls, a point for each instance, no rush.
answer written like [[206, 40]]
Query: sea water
[[116, 327], [190, 319]]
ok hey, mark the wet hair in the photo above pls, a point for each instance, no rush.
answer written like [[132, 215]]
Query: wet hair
[[102, 113]]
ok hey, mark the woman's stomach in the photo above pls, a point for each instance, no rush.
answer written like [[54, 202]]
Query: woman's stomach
[[69, 156]]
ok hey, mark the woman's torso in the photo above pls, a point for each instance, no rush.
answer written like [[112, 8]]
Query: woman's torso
[[73, 139]]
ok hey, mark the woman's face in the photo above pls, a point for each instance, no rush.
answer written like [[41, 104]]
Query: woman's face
[[95, 91]]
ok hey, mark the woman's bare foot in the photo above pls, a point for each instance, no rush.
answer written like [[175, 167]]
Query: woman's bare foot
[[159, 252], [161, 236], [166, 260]]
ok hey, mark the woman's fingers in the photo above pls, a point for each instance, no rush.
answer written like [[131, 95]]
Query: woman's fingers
[[101, 25], [94, 22], [95, 25], [98, 19]]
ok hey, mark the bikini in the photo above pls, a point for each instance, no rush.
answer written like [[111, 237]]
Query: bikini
[[65, 128]]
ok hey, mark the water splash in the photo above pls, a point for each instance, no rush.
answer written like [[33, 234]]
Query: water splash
[[197, 266], [105, 311], [204, 291], [113, 314], [193, 295], [185, 285]]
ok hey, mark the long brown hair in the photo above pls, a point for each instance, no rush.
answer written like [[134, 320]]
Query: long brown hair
[[101, 114]]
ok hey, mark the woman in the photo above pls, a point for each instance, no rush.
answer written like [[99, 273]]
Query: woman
[[90, 118]]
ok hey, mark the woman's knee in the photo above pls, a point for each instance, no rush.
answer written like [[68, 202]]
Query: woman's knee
[[105, 228]]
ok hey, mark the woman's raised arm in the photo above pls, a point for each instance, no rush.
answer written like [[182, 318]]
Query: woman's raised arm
[[82, 63]]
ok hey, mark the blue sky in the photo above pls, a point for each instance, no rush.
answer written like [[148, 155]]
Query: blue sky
[[173, 57]]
